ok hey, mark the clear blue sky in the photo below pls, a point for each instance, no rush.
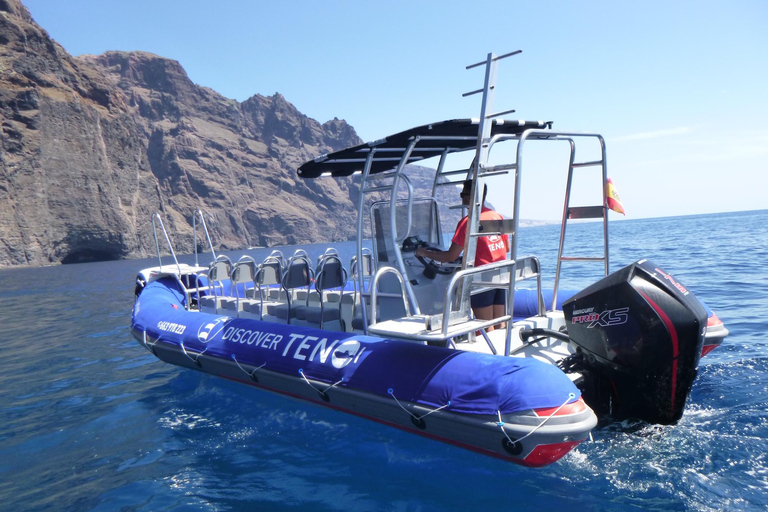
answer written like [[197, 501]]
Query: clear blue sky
[[677, 88]]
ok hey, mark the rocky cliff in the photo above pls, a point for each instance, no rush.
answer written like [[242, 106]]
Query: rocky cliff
[[93, 145]]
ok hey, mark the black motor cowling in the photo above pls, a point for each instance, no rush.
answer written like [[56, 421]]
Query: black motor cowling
[[640, 334]]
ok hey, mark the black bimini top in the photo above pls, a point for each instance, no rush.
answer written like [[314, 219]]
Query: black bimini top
[[456, 134]]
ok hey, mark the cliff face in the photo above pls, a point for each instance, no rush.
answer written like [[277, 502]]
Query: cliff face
[[93, 145]]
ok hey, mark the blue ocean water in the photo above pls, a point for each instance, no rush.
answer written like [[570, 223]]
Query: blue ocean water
[[90, 421]]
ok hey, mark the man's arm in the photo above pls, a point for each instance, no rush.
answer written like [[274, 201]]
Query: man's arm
[[448, 256]]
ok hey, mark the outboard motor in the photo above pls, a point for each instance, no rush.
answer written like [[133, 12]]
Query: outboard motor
[[639, 332]]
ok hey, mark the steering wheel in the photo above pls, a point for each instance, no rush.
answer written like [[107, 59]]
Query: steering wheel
[[432, 267]]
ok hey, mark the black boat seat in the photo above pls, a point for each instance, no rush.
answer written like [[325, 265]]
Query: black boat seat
[[319, 316], [309, 301], [330, 279], [266, 278], [285, 311], [297, 276], [242, 282]]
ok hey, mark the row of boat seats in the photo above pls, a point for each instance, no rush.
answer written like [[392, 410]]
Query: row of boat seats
[[253, 286], [312, 307], [287, 292], [219, 273]]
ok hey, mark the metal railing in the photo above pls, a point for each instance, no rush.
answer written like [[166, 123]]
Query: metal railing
[[155, 219], [207, 235]]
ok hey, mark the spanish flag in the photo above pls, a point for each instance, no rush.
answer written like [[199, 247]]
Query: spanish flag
[[612, 198]]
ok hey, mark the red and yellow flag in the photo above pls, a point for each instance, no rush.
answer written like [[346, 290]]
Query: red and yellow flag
[[612, 197]]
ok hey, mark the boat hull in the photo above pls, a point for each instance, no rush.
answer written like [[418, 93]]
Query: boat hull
[[520, 410]]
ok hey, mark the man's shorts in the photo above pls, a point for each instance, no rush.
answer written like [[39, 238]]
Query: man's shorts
[[489, 298]]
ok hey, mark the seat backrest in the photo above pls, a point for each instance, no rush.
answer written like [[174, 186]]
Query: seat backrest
[[328, 252], [277, 255], [366, 268], [298, 272], [270, 272], [330, 273], [243, 273], [220, 270], [391, 305]]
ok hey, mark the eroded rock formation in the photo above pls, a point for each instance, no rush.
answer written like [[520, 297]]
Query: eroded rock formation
[[93, 145]]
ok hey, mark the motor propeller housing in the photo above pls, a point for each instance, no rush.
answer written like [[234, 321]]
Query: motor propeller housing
[[640, 333]]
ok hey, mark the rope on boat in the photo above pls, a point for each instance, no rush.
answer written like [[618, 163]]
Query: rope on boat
[[417, 418], [193, 359], [322, 393], [150, 347], [252, 374], [571, 396]]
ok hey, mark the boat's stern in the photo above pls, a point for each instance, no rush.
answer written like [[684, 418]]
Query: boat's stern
[[640, 334], [716, 333], [558, 430]]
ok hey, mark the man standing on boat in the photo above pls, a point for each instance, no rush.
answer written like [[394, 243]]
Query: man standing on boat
[[489, 304]]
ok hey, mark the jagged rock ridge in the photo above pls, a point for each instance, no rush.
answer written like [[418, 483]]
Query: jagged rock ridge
[[93, 145]]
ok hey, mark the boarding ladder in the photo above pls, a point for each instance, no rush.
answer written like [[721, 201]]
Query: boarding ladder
[[454, 323], [583, 212], [478, 174]]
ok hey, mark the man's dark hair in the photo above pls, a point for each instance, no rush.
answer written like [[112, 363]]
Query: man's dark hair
[[468, 186]]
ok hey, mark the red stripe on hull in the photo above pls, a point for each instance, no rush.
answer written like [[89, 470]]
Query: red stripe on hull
[[572, 408], [713, 320]]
